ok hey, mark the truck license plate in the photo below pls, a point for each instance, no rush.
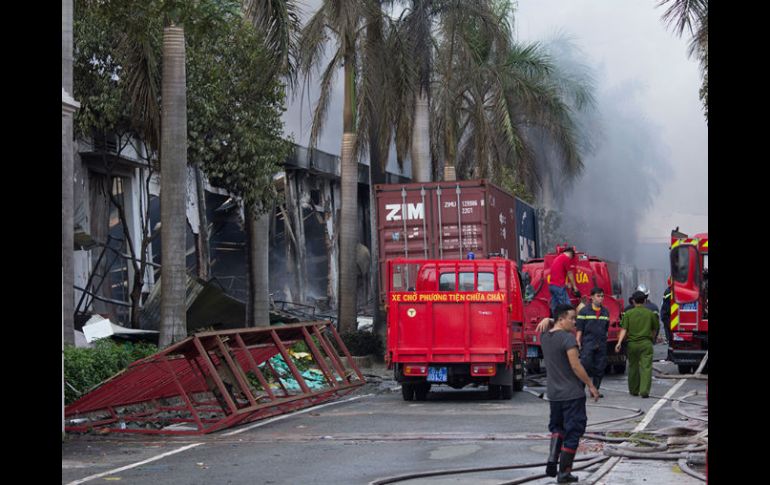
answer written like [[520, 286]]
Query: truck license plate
[[436, 374], [689, 307]]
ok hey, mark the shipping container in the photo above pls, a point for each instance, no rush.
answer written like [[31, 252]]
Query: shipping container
[[450, 220]]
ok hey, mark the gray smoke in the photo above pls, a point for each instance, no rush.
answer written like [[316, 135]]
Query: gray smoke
[[623, 163]]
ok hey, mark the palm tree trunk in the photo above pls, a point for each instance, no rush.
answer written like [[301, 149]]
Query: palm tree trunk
[[376, 176], [349, 209], [421, 168], [449, 142], [258, 233], [173, 326]]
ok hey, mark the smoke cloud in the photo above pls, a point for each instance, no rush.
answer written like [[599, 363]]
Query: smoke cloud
[[624, 162]]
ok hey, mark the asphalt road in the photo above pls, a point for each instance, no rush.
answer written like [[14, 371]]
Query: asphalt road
[[368, 435]]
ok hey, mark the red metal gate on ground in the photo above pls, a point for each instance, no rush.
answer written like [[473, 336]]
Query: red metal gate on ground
[[215, 380]]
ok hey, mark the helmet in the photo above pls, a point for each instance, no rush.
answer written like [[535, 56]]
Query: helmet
[[643, 288]]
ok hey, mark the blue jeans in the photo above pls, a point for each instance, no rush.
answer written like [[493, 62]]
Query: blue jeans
[[593, 357], [558, 297]]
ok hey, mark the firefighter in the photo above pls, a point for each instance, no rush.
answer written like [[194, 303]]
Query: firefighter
[[562, 277], [640, 325], [566, 393], [593, 322]]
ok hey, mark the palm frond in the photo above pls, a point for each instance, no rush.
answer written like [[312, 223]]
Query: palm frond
[[279, 22], [142, 77], [684, 14], [322, 105]]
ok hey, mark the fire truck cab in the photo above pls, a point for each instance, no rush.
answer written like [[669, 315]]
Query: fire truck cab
[[689, 300], [455, 323]]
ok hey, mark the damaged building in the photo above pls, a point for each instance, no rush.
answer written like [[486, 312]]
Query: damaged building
[[117, 213]]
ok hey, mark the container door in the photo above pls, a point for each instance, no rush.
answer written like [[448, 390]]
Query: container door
[[459, 210], [404, 222], [526, 230]]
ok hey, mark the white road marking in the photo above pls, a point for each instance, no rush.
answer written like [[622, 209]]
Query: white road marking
[[609, 464], [284, 416], [658, 405], [134, 465], [179, 450]]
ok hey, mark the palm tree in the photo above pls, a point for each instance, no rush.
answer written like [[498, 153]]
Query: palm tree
[[344, 21], [432, 29], [418, 27], [492, 93], [279, 21], [173, 193], [693, 16]]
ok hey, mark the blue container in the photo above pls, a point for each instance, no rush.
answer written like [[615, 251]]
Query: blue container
[[527, 232]]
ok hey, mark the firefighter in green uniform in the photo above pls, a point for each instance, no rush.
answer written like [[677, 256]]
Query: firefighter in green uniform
[[640, 325]]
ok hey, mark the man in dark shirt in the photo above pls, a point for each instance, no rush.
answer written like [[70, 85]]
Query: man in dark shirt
[[592, 324], [640, 325], [566, 393]]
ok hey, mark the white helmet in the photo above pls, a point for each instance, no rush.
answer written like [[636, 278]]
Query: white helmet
[[643, 288]]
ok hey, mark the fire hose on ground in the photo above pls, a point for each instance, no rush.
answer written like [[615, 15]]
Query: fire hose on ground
[[693, 454]]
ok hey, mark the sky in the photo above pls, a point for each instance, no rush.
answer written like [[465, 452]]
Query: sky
[[647, 92], [630, 46]]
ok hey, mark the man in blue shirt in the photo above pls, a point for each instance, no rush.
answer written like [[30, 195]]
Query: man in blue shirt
[[592, 324]]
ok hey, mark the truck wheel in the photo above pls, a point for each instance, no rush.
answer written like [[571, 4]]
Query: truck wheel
[[493, 391], [421, 391], [407, 391], [685, 369], [533, 366], [507, 392], [620, 368]]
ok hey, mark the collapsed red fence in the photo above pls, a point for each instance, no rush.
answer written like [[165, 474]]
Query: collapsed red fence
[[216, 380]]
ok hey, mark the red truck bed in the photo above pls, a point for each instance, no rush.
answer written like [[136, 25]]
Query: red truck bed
[[456, 314]]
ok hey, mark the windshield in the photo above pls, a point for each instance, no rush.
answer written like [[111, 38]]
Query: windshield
[[680, 264]]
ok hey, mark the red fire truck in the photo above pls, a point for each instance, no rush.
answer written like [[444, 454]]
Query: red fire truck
[[689, 300], [455, 323], [589, 272]]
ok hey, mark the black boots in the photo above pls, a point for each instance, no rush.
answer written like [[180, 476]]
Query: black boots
[[553, 455], [565, 467]]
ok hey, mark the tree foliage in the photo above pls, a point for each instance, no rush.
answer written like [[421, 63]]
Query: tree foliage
[[235, 104], [491, 93], [234, 98], [692, 15], [84, 368]]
